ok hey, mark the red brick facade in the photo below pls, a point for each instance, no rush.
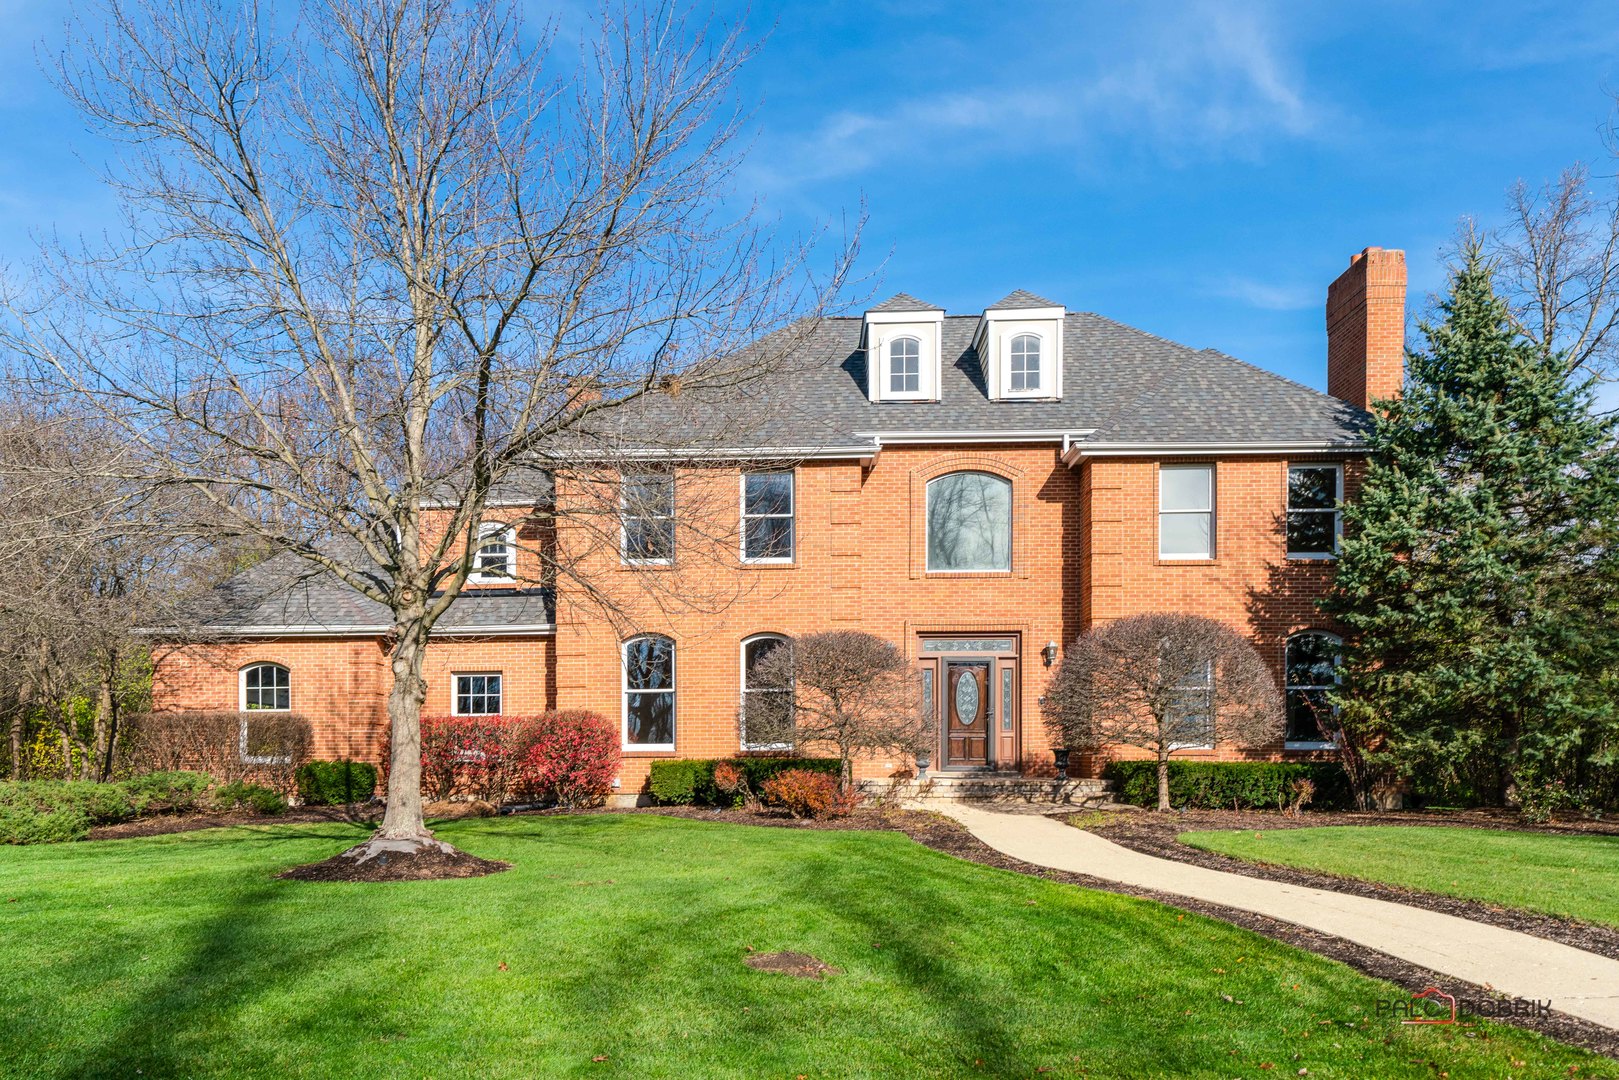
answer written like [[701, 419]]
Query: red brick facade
[[1084, 552]]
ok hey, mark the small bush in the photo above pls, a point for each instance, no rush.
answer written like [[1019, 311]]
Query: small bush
[[572, 759], [477, 757], [807, 793], [691, 780], [21, 823], [1246, 785], [171, 791], [239, 794], [335, 783], [49, 811]]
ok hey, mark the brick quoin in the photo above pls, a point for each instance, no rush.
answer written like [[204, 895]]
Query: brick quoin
[[1085, 553]]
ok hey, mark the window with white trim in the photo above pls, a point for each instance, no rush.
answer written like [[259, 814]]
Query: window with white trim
[[647, 517], [1191, 711], [1314, 522], [1186, 512], [496, 557], [649, 693], [478, 694], [969, 521], [767, 516], [905, 366], [1025, 364], [1311, 664], [266, 686], [767, 698]]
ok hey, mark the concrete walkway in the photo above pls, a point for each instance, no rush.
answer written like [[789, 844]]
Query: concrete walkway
[[1578, 983]]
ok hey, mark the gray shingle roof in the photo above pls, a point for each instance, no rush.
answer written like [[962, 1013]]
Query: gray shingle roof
[[905, 302], [289, 593], [1022, 298]]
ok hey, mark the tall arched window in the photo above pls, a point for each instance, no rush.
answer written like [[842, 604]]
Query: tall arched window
[[1025, 363], [649, 693], [1312, 671], [266, 686], [766, 698], [905, 366], [969, 517]]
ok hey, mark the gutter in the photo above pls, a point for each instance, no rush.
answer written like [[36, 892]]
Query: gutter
[[312, 630], [1074, 453]]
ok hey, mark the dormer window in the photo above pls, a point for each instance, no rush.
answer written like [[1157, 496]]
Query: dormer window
[[1025, 363], [905, 366]]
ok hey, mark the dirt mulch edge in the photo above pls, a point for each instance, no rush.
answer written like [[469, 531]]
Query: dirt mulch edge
[[163, 824], [1160, 838]]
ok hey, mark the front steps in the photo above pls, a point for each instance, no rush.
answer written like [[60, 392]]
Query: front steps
[[996, 789]]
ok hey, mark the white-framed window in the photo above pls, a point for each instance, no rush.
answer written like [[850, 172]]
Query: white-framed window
[[1191, 712], [1186, 512], [1024, 370], [767, 516], [266, 686], [1311, 666], [478, 693], [905, 366], [649, 693], [647, 517], [1314, 522], [969, 522], [496, 557], [760, 693]]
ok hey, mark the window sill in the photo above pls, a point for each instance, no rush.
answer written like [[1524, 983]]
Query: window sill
[[646, 564], [649, 751], [1294, 556], [1309, 746], [967, 573], [1167, 561], [770, 564], [766, 748]]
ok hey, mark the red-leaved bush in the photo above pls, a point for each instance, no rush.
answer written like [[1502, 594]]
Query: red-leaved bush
[[573, 758], [569, 756], [805, 793]]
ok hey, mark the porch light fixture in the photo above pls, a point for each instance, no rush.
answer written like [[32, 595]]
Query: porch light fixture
[[1050, 653]]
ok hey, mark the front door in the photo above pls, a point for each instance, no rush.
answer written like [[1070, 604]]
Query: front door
[[966, 707]]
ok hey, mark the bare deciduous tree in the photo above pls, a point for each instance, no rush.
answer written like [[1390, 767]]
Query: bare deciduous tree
[[1163, 682], [842, 689], [386, 258]]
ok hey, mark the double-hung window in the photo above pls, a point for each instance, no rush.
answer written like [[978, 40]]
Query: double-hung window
[[1312, 673], [1186, 512], [905, 366], [767, 516], [1191, 710], [647, 518], [264, 688], [478, 694], [649, 693], [1025, 364], [1313, 520], [495, 559]]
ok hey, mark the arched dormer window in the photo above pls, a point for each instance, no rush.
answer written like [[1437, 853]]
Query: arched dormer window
[[969, 516], [1025, 364], [905, 365], [1311, 667]]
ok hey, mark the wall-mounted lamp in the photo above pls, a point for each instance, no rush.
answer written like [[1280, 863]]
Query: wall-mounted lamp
[[1050, 653]]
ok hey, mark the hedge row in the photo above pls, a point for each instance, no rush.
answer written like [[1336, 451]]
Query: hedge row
[[1248, 785], [686, 781], [335, 783]]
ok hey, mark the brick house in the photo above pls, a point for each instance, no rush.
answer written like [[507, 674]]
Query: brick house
[[978, 489]]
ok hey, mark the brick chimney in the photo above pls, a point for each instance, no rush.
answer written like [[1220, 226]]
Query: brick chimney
[[1366, 328]]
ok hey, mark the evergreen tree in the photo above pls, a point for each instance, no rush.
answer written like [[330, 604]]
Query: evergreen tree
[[1479, 568]]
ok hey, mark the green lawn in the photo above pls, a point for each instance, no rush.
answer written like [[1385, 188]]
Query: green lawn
[[622, 936], [1571, 876]]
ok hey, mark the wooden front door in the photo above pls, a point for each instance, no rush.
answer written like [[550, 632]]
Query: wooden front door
[[966, 709]]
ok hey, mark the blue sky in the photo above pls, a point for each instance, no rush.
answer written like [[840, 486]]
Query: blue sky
[[1199, 170]]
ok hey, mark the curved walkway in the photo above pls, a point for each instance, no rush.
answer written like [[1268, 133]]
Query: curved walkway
[[1578, 983]]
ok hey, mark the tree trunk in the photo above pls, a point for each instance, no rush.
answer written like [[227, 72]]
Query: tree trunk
[[16, 744], [98, 765], [1163, 780], [402, 820]]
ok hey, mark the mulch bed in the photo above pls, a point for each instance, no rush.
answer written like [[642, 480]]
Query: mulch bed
[[159, 824], [427, 865], [1156, 834]]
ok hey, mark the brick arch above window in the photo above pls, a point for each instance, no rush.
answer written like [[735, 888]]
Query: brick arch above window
[[1022, 508]]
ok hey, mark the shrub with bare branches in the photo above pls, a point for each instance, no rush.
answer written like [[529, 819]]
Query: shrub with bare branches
[[258, 747], [848, 691], [1163, 682]]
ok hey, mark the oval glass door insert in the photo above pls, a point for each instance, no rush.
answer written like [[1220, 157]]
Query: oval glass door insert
[[966, 699]]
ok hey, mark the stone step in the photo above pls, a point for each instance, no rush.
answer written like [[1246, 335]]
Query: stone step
[[1049, 791]]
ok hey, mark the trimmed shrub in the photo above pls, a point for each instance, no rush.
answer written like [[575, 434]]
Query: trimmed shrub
[[691, 780], [262, 747], [238, 795], [169, 792], [1219, 785], [572, 759], [808, 793], [335, 783]]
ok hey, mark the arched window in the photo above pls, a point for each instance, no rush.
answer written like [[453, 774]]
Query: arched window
[[649, 693], [905, 366], [1312, 671], [969, 517], [266, 686], [766, 697], [1025, 369]]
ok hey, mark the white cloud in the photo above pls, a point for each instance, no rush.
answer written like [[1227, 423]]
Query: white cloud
[[1269, 296]]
